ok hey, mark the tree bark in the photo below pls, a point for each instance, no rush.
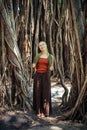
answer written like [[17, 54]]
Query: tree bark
[[14, 54]]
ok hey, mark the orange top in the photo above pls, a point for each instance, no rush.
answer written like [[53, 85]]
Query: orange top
[[42, 65]]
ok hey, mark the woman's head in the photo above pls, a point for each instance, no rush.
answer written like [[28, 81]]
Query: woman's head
[[43, 46]]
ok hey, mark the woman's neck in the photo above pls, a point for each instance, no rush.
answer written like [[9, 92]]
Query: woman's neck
[[44, 52]]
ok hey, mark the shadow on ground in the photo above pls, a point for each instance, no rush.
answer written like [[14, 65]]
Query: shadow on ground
[[20, 120]]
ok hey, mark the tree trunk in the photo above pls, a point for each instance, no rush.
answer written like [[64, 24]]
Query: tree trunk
[[14, 54]]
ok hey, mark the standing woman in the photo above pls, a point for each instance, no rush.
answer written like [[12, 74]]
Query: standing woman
[[43, 63]]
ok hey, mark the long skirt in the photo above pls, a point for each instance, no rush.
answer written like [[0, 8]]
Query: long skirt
[[42, 93]]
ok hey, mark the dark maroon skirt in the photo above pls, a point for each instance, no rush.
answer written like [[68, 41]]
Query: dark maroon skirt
[[42, 93]]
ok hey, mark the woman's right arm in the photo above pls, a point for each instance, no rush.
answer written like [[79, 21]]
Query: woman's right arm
[[35, 60]]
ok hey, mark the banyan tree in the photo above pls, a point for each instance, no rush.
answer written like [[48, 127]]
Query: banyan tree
[[63, 25]]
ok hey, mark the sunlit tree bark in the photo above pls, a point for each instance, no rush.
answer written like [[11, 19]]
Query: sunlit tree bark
[[14, 55]]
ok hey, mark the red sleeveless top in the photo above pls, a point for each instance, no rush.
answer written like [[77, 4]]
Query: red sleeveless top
[[42, 65]]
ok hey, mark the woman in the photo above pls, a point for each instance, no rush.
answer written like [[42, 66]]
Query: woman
[[43, 63]]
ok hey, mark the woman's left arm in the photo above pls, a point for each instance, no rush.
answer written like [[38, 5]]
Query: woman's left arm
[[52, 64]]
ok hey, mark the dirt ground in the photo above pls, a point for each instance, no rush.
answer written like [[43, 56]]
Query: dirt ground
[[24, 120]]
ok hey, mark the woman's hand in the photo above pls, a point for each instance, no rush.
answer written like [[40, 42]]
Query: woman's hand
[[51, 68], [33, 65]]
